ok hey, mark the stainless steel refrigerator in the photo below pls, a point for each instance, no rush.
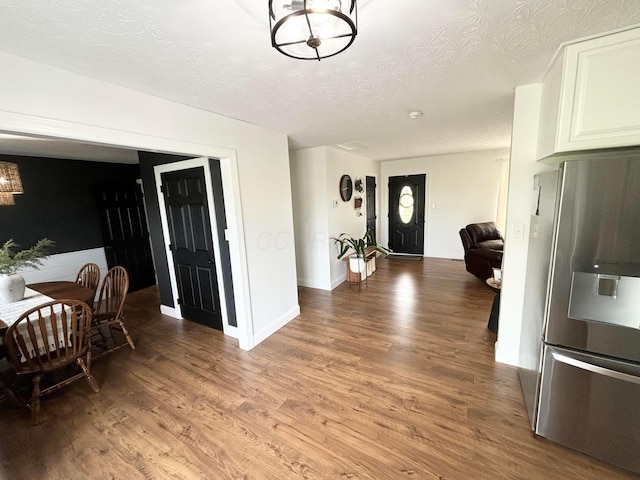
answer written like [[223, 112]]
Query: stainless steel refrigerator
[[580, 343]]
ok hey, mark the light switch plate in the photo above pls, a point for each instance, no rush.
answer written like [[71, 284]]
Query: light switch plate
[[518, 230]]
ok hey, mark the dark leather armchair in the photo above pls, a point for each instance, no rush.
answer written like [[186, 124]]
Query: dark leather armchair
[[483, 245]]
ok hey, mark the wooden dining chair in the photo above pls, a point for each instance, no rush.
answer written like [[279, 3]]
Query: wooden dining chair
[[5, 392], [108, 314], [89, 276], [48, 338]]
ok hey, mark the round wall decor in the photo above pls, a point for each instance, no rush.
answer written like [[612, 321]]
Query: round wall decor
[[346, 188]]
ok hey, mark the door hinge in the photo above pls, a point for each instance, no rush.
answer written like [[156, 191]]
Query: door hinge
[[171, 247], [179, 301], [162, 188]]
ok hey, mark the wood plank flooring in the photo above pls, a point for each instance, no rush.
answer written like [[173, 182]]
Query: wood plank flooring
[[394, 381]]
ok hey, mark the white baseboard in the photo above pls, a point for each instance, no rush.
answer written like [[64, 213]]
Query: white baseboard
[[231, 331], [170, 311], [311, 284], [275, 325], [339, 281], [508, 357]]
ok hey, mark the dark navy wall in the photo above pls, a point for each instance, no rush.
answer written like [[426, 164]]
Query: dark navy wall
[[59, 201]]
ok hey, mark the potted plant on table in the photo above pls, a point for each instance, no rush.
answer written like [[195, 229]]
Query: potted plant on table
[[347, 243], [12, 284]]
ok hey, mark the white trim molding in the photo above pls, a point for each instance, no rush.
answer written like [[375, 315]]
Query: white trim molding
[[276, 325], [23, 124]]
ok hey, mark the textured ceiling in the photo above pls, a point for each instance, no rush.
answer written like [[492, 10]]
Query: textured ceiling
[[457, 60]]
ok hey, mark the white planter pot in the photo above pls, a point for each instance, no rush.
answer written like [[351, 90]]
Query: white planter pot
[[11, 288], [357, 264]]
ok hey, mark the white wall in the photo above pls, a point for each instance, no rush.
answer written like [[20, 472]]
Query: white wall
[[320, 213], [464, 188], [343, 218], [311, 205], [514, 262], [41, 100], [65, 266]]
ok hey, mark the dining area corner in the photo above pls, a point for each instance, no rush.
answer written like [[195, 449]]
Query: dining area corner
[[50, 333]]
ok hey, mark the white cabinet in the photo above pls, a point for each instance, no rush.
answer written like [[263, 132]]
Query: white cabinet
[[591, 95]]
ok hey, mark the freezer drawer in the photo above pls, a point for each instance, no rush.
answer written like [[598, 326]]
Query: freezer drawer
[[591, 404]]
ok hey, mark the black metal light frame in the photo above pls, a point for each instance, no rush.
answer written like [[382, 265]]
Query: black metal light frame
[[313, 41]]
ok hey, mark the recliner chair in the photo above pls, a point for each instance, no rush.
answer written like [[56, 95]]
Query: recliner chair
[[483, 244]]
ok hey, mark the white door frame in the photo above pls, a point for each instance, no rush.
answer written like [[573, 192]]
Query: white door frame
[[22, 124], [158, 170]]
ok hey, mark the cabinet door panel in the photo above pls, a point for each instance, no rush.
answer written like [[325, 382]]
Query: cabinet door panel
[[600, 103]]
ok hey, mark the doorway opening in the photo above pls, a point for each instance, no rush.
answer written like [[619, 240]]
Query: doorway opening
[[187, 208], [370, 196]]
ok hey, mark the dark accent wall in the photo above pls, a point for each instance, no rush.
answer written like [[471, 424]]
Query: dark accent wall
[[221, 223], [59, 201], [148, 160]]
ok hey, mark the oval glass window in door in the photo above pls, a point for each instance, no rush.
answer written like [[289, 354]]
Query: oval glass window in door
[[405, 204]]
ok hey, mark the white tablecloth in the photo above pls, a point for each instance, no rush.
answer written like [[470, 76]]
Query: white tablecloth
[[10, 312]]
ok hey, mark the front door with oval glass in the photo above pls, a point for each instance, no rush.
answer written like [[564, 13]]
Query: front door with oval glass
[[406, 214]]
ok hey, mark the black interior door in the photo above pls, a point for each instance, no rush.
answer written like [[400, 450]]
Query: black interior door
[[189, 222], [125, 232], [371, 204], [406, 214]]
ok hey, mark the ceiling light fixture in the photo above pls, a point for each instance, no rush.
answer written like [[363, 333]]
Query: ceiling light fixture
[[415, 114], [10, 183], [312, 29]]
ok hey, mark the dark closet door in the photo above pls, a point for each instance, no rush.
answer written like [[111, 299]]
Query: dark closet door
[[125, 233], [406, 214], [371, 204], [191, 241]]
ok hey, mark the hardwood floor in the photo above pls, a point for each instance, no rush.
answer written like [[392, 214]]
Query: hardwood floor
[[394, 381]]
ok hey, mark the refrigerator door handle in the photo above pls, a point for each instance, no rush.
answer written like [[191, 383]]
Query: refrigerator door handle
[[595, 368]]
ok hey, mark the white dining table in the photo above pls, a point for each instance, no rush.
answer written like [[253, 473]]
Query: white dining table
[[11, 312]]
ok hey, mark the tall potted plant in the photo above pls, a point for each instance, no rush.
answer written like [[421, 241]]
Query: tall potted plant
[[12, 284], [347, 243]]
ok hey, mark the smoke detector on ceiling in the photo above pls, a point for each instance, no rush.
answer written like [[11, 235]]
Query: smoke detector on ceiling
[[413, 114]]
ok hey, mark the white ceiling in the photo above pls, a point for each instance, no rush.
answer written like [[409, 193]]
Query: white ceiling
[[457, 60]]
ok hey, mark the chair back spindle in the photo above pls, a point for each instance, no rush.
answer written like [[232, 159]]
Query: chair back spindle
[[89, 276], [47, 338], [109, 311]]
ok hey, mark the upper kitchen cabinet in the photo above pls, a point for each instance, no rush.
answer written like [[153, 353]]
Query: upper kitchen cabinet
[[591, 95]]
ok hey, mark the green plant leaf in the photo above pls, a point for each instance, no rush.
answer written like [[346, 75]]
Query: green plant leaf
[[11, 261]]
